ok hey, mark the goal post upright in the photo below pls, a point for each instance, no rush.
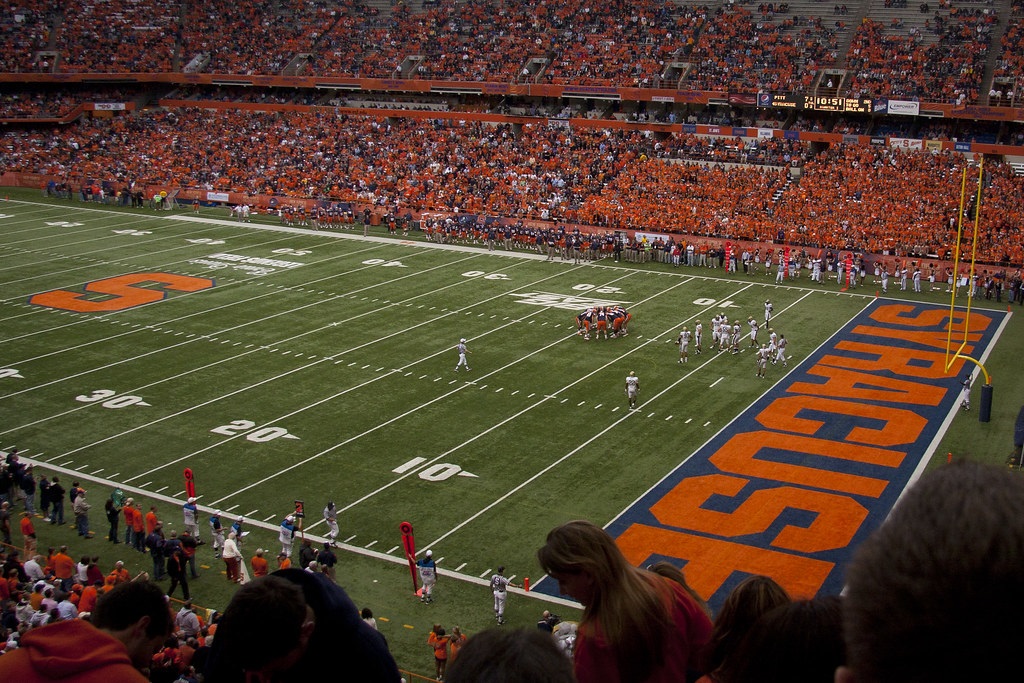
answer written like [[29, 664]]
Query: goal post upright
[[953, 354]]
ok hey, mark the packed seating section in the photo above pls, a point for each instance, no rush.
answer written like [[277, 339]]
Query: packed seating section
[[719, 46], [874, 199]]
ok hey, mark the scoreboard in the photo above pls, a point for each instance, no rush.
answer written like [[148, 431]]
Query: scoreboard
[[858, 105]]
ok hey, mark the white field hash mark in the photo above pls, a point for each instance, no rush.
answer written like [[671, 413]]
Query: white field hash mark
[[616, 409]]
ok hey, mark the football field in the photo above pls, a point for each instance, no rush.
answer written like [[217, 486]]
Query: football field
[[284, 364]]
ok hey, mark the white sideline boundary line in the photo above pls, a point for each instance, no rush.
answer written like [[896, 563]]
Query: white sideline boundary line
[[146, 220], [686, 278], [915, 475], [710, 359], [142, 491], [210, 335], [212, 275], [729, 424], [934, 445], [477, 251]]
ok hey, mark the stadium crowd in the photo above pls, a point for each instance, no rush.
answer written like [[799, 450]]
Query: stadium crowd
[[871, 199], [580, 42], [887, 64], [876, 200], [60, 619], [774, 47], [25, 29], [116, 35]]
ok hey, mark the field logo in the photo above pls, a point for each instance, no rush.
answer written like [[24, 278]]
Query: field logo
[[120, 293], [253, 265], [811, 468], [562, 301]]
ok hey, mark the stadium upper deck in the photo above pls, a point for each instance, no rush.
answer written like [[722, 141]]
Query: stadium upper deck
[[873, 199], [953, 52]]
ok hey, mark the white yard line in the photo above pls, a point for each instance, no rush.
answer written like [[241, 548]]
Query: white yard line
[[728, 424], [106, 229], [688, 276], [297, 411], [254, 349], [508, 494], [235, 283], [213, 334]]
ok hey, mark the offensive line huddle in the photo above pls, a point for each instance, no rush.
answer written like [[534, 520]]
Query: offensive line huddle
[[599, 318]]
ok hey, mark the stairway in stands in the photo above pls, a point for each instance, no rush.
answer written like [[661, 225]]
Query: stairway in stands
[[777, 195]]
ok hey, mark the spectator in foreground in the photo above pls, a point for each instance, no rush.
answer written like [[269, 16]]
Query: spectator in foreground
[[670, 571], [510, 656], [752, 598], [936, 594], [797, 642], [636, 625], [128, 626], [313, 622]]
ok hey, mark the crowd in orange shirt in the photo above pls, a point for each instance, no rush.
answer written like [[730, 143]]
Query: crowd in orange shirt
[[771, 52], [29, 103], [117, 35], [251, 36], [616, 43], [904, 65], [24, 29], [37, 105], [851, 196], [1010, 63]]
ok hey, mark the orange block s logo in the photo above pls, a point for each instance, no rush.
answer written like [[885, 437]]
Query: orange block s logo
[[120, 292]]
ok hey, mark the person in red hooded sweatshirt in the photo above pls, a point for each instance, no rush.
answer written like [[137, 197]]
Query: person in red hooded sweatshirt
[[129, 625]]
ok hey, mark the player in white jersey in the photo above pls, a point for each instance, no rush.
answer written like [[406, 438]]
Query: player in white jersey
[[698, 336], [724, 334], [331, 517], [737, 334], [773, 341], [761, 358], [753, 332], [768, 308], [684, 345], [499, 587], [965, 392], [462, 351], [632, 388], [781, 275], [716, 331], [780, 354]]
